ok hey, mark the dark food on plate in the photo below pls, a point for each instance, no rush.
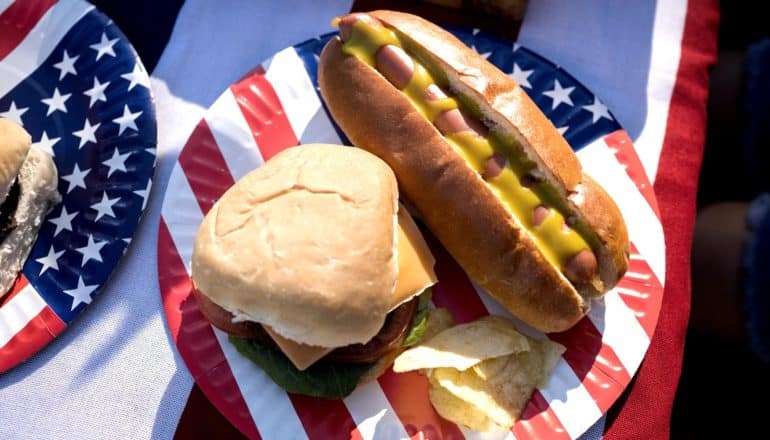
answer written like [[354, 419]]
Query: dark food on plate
[[28, 182], [481, 164], [314, 269]]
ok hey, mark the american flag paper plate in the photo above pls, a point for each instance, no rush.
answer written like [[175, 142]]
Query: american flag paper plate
[[72, 79], [278, 105]]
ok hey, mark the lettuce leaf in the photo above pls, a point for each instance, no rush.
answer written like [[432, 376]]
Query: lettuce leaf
[[420, 320], [419, 324], [327, 380]]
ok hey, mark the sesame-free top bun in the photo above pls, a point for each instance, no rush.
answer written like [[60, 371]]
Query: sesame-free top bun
[[14, 147], [305, 244]]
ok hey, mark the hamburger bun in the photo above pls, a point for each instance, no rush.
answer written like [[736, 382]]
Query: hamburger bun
[[328, 282]]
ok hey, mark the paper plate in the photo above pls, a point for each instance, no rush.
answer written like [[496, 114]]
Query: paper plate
[[71, 77], [278, 105]]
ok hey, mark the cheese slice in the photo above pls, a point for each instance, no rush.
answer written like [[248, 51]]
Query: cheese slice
[[415, 274], [415, 261], [301, 355]]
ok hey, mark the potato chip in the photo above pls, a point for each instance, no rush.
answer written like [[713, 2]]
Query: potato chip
[[482, 374], [500, 388], [489, 368], [500, 400], [458, 411], [438, 320], [550, 353], [535, 366], [464, 346]]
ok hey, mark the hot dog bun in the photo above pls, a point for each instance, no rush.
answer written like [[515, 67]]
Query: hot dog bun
[[453, 199]]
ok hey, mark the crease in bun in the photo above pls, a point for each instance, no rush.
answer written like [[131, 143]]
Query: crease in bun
[[305, 245]]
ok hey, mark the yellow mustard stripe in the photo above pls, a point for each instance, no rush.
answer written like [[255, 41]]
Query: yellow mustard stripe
[[557, 243]]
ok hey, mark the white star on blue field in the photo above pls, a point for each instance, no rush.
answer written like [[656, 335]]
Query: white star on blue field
[[89, 106]]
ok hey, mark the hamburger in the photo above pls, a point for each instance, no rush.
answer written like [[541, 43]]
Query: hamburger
[[313, 268], [28, 182]]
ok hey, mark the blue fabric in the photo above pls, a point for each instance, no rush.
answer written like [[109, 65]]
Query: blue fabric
[[757, 281], [756, 140], [756, 105]]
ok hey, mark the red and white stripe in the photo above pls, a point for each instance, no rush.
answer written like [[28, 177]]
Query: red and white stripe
[[600, 162], [286, 72], [27, 324], [269, 406], [4, 4], [181, 225], [373, 413], [232, 133], [668, 28], [195, 337], [275, 107], [39, 26]]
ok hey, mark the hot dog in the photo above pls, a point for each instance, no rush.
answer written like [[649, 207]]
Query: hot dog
[[481, 164]]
